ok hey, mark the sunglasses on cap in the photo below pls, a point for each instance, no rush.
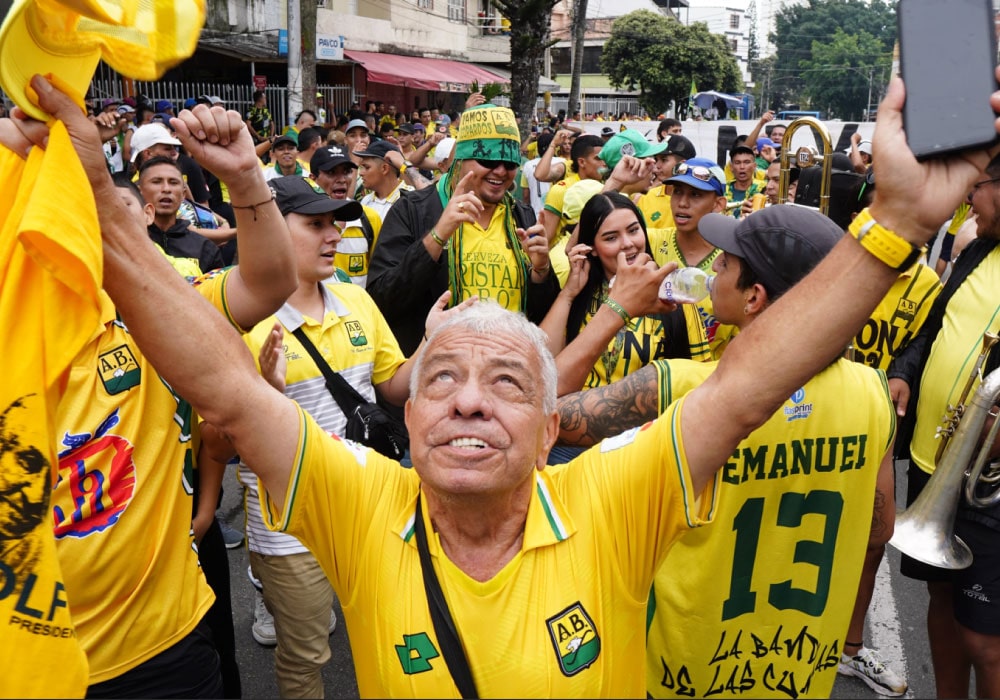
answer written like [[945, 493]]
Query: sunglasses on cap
[[493, 164], [699, 172]]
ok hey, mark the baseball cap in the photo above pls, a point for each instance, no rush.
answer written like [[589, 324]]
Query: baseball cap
[[681, 146], [444, 120], [163, 106], [190, 102], [691, 172], [405, 128], [285, 138], [138, 38], [355, 123], [420, 127], [865, 147], [576, 198], [125, 109], [149, 135], [763, 142], [328, 158], [300, 195], [628, 143], [377, 149], [607, 131], [781, 244], [111, 101], [444, 148]]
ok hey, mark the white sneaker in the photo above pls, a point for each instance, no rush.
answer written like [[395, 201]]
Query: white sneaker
[[869, 667], [263, 622], [333, 621]]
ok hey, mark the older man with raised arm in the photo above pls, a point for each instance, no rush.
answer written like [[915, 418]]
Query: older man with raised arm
[[558, 561]]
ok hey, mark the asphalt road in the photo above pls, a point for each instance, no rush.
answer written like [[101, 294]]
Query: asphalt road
[[895, 625]]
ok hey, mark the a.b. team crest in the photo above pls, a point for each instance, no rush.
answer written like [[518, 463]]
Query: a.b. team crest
[[118, 370], [574, 639], [356, 333]]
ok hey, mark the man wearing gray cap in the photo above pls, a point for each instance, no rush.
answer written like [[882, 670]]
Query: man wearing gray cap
[[805, 479]]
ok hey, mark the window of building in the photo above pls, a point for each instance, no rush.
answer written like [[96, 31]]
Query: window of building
[[425, 4], [456, 10], [735, 44], [562, 60], [734, 21]]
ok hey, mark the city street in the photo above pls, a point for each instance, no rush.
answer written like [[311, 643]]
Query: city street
[[895, 625]]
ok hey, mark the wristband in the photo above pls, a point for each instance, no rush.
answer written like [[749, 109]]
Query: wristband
[[440, 241], [618, 309], [888, 246]]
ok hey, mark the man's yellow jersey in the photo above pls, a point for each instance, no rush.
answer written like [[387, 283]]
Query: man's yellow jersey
[[565, 617], [121, 509], [954, 353], [766, 592], [655, 207], [354, 250], [557, 193], [898, 317], [488, 267]]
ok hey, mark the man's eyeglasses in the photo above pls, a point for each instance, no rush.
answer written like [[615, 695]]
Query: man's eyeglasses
[[979, 184], [699, 172], [494, 164]]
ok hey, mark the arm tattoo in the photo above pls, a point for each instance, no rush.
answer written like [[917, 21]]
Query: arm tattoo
[[587, 417]]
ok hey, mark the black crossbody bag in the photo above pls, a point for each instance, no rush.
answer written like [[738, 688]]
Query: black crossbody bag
[[367, 422]]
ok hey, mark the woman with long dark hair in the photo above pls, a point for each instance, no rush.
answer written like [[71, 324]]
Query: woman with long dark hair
[[612, 279]]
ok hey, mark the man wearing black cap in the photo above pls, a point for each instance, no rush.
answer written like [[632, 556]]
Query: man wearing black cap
[[781, 468], [380, 176], [655, 204], [346, 327], [335, 172]]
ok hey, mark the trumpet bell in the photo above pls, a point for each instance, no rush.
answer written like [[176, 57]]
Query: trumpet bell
[[929, 542]]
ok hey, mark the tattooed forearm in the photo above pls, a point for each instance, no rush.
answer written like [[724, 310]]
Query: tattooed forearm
[[587, 417]]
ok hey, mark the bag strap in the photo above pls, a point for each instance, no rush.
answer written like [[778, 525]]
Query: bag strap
[[444, 626], [346, 396]]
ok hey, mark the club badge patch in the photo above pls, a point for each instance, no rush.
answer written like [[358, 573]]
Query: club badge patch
[[356, 334], [574, 639], [118, 370]]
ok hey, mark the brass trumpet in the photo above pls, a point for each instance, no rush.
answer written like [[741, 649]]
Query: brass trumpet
[[805, 157], [926, 530], [953, 414]]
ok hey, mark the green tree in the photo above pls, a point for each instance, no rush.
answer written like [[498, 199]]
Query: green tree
[[842, 74], [798, 26], [529, 38], [659, 57]]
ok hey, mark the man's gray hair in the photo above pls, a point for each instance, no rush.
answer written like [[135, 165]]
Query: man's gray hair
[[489, 318]]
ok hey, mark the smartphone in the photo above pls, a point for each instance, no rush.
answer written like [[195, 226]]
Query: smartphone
[[947, 59]]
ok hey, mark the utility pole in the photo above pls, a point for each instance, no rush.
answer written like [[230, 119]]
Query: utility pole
[[579, 32], [294, 60]]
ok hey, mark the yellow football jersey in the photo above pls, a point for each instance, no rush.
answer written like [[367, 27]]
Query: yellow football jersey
[[354, 251], [565, 617], [488, 267], [767, 591], [122, 506], [557, 193], [706, 336], [50, 277], [898, 317], [655, 207], [972, 311]]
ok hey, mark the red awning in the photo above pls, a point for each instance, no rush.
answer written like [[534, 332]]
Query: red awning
[[422, 73]]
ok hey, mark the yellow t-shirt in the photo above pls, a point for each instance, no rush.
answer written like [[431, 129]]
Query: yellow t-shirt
[[554, 199], [898, 317], [489, 268], [655, 208], [971, 311], [122, 505], [49, 285], [564, 618], [634, 346], [706, 336], [353, 251], [766, 592]]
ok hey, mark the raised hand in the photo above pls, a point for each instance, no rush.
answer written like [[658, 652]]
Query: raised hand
[[272, 358]]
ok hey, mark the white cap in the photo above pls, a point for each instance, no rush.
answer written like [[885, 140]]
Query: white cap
[[443, 149], [865, 147], [149, 135]]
